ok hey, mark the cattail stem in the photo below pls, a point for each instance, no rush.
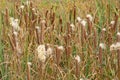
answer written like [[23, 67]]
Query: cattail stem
[[118, 56], [28, 72], [89, 26], [68, 50], [37, 34], [95, 38], [58, 56], [74, 11], [6, 16], [42, 32], [77, 69], [116, 20], [11, 42], [100, 59], [60, 22]]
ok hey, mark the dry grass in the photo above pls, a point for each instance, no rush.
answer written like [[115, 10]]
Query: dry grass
[[58, 40]]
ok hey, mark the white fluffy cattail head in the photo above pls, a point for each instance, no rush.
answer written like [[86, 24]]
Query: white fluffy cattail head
[[14, 23], [72, 27], [38, 28], [89, 17], [22, 7], [29, 63], [112, 22], [118, 33], [83, 22], [15, 33], [41, 53], [115, 46], [102, 45], [79, 19], [112, 47], [104, 29], [49, 51], [27, 2], [60, 48], [77, 58]]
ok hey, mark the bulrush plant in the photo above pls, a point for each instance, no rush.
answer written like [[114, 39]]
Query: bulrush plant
[[60, 43], [102, 47], [28, 70], [77, 58], [118, 54]]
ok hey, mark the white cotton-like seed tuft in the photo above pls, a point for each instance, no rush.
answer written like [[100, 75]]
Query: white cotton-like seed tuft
[[89, 17], [15, 33], [77, 57], [41, 53], [112, 47], [112, 22], [102, 45], [29, 63], [14, 23], [118, 45], [49, 52], [81, 79], [22, 7], [27, 2], [118, 33], [79, 19], [104, 29], [37, 27], [115, 46], [72, 27], [43, 21], [60, 48], [33, 9], [83, 22]]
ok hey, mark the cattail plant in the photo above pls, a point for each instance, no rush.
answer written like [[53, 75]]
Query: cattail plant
[[42, 31], [7, 16], [28, 70], [95, 37], [90, 25], [38, 34], [102, 47], [41, 52], [74, 13], [77, 62], [118, 54], [60, 22], [59, 50], [83, 32]]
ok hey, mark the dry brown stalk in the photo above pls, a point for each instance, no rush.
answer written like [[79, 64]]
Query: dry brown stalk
[[118, 56]]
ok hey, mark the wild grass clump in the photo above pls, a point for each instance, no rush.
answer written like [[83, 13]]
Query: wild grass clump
[[49, 44]]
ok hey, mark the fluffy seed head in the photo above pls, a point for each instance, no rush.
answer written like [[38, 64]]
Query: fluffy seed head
[[49, 52], [104, 29], [89, 17], [60, 48], [14, 24], [102, 45], [77, 58], [115, 46], [15, 33], [22, 7], [118, 33], [41, 53], [72, 27], [83, 22], [79, 19], [112, 22], [29, 63]]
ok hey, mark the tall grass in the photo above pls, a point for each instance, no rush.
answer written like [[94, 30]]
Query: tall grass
[[60, 40]]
